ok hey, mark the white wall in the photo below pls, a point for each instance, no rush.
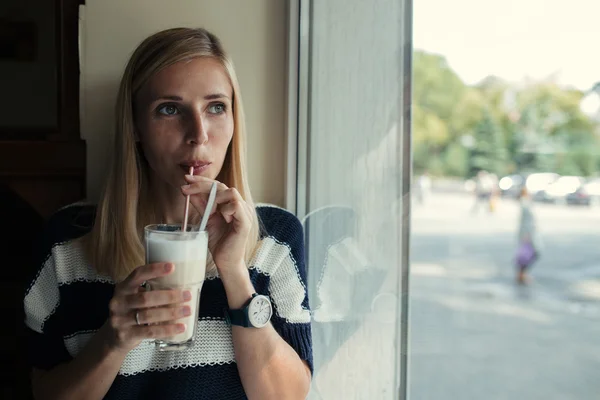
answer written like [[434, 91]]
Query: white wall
[[253, 32]]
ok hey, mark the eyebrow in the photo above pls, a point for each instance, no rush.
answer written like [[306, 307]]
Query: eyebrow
[[216, 96], [213, 96]]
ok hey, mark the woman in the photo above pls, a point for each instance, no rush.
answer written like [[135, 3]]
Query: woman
[[91, 325], [530, 243]]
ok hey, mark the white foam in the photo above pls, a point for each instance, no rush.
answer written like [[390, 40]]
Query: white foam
[[176, 246]]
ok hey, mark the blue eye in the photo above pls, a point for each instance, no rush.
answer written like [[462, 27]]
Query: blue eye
[[168, 109], [218, 108]]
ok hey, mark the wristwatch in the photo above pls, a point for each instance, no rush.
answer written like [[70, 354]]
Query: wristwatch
[[256, 313]]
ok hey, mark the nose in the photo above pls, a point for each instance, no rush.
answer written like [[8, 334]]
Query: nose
[[196, 131]]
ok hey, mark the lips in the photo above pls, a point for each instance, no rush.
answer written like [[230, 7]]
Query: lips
[[199, 166]]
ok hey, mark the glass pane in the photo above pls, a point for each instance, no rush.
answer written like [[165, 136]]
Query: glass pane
[[353, 225], [505, 272]]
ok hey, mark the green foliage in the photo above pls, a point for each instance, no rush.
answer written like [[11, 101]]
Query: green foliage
[[580, 161], [435, 85], [429, 129], [468, 112], [456, 160], [489, 152], [538, 127]]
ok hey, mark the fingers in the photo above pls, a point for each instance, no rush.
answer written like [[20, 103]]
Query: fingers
[[148, 315], [155, 315], [199, 184], [228, 200], [141, 274], [199, 189], [136, 314], [156, 331], [232, 206], [154, 298], [158, 298], [229, 195], [234, 210]]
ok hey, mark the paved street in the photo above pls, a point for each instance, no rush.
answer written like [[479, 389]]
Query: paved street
[[474, 333]]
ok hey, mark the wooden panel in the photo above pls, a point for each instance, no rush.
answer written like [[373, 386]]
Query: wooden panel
[[41, 170], [67, 32], [27, 159], [66, 28], [9, 134], [57, 193]]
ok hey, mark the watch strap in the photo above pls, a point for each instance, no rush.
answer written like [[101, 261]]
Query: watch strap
[[239, 317]]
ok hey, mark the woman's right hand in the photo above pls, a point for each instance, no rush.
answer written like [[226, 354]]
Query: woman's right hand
[[157, 310]]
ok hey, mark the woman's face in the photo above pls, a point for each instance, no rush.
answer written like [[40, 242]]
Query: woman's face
[[184, 119]]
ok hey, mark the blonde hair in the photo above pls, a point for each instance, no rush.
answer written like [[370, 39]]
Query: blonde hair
[[115, 244]]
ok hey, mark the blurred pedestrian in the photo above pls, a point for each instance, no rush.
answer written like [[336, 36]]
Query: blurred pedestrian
[[484, 188], [423, 187], [494, 193], [529, 241]]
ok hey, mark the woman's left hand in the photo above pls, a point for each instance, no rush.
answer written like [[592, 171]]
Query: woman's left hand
[[228, 225]]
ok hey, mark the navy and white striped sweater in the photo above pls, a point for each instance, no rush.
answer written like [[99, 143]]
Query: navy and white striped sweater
[[66, 302]]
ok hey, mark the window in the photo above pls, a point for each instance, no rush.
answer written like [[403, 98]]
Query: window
[[351, 102], [488, 235]]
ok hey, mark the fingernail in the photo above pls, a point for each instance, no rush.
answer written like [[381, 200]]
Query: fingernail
[[181, 327], [187, 295], [185, 187], [189, 176], [186, 311], [168, 267]]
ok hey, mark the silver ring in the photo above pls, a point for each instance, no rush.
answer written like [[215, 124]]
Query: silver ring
[[137, 317]]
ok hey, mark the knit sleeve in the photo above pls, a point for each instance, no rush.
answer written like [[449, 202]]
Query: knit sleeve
[[287, 287], [45, 345], [44, 324]]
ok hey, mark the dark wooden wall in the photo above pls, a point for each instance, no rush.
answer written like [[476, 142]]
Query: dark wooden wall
[[41, 170]]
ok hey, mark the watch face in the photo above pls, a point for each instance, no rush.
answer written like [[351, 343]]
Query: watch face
[[259, 311]]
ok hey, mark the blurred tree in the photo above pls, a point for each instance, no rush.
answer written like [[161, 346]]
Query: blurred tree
[[489, 151], [558, 113], [436, 87], [580, 161], [436, 91], [467, 113], [456, 160], [497, 126], [428, 128], [552, 123]]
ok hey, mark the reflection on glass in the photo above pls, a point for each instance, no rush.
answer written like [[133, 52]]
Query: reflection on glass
[[352, 224]]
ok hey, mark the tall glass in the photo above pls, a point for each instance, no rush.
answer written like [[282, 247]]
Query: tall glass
[[188, 252]]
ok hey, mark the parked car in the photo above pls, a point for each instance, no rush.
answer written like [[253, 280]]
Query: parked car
[[564, 186], [586, 195], [511, 185], [537, 183]]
